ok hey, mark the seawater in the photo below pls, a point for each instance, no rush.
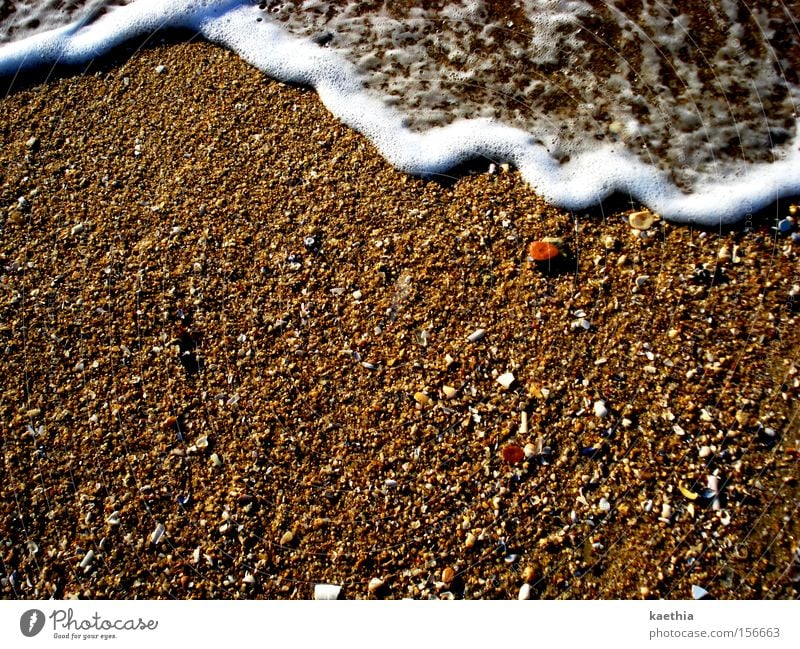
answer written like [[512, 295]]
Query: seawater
[[688, 107]]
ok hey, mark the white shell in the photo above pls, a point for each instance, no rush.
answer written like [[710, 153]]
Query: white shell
[[114, 518], [87, 559], [327, 591], [374, 584], [525, 592]]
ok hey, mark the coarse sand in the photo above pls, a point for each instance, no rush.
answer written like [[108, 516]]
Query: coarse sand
[[235, 364]]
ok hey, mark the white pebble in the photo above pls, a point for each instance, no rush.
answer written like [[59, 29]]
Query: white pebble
[[600, 409], [506, 380], [87, 559], [326, 591], [374, 584], [476, 335], [76, 229], [155, 537], [524, 592]]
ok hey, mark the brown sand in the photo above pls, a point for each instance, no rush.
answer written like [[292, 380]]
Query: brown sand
[[157, 290]]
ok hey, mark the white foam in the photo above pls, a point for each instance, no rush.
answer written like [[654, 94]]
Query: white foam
[[583, 181]]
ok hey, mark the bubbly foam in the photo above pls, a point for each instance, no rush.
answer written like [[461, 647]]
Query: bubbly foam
[[689, 113]]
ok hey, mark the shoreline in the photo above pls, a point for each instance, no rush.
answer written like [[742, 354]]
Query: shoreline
[[206, 253]]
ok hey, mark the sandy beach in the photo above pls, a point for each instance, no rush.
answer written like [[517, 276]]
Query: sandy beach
[[241, 356]]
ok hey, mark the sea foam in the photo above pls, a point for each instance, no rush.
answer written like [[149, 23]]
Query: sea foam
[[356, 88]]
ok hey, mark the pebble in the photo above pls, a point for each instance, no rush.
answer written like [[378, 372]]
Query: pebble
[[375, 584], [698, 592], [513, 454], [604, 505], [470, 540], [642, 220], [287, 538], [545, 250], [600, 409], [327, 591], [785, 226], [160, 69], [114, 518], [476, 335], [216, 460], [530, 451], [422, 399], [448, 575], [76, 229], [449, 392], [524, 592], [155, 537], [705, 451], [506, 380], [32, 142], [249, 579], [88, 558]]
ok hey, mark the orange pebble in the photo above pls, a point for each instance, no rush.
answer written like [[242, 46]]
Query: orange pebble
[[513, 454], [543, 251]]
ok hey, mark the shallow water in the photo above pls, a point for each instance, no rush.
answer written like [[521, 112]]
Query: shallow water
[[690, 107]]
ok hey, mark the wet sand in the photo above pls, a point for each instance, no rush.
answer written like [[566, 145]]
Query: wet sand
[[224, 314]]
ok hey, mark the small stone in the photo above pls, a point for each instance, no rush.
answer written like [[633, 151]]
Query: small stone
[[160, 69], [785, 226], [604, 505], [327, 591], [524, 592], [374, 585], [88, 558], [357, 295], [642, 220], [609, 242], [249, 579], [216, 460], [698, 592], [422, 399], [76, 229], [287, 538], [513, 454], [530, 451], [449, 392], [114, 518], [545, 250], [600, 409], [155, 537], [528, 574], [32, 142], [506, 380], [705, 451], [470, 540], [448, 575], [476, 335]]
